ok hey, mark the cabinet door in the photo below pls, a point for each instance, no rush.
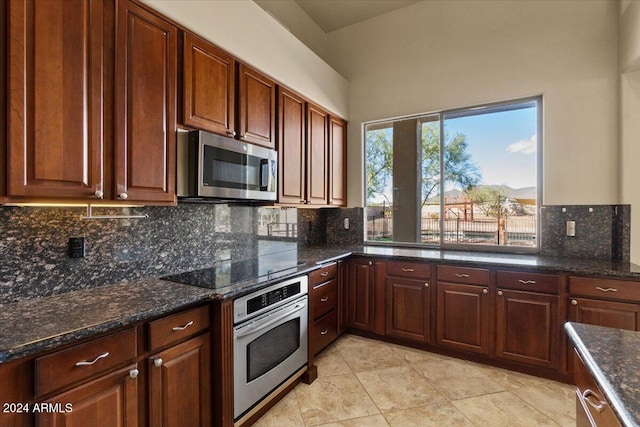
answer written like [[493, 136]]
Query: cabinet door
[[109, 401], [257, 123], [317, 155], [337, 162], [605, 313], [180, 385], [291, 148], [55, 67], [407, 306], [361, 288], [145, 146], [343, 320], [208, 87], [463, 317], [527, 328]]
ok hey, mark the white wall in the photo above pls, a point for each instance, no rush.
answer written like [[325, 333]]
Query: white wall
[[435, 55], [629, 63], [245, 30]]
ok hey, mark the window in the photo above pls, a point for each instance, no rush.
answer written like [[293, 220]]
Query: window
[[466, 177]]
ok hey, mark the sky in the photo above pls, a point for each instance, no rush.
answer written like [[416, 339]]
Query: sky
[[502, 145]]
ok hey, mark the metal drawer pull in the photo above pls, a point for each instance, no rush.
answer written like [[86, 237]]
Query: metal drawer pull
[[134, 373], [527, 282], [606, 289], [589, 396], [574, 302], [408, 270], [325, 332], [326, 273], [157, 362], [462, 275], [182, 328], [426, 284], [485, 290], [87, 363], [500, 293], [324, 299]]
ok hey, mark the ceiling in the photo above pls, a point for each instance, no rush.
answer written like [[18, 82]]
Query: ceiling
[[331, 15]]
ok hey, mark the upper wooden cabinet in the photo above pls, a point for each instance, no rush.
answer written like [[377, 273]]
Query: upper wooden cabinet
[[145, 146], [291, 147], [208, 87], [257, 109], [337, 162], [317, 155], [55, 120]]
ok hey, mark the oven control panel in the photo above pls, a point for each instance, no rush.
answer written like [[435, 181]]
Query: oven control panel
[[262, 300]]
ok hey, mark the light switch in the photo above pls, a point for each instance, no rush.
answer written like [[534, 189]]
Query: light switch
[[571, 228]]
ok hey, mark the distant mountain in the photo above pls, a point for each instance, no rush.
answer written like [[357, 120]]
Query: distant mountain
[[512, 193]]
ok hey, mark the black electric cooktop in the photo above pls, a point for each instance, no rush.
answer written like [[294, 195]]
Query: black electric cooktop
[[230, 272]]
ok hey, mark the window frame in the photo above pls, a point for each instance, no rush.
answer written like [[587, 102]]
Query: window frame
[[480, 108]]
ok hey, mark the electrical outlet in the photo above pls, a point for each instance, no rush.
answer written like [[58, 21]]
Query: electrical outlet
[[76, 247], [346, 223], [571, 228]]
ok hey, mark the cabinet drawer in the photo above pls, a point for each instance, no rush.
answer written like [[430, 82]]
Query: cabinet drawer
[[409, 269], [605, 288], [327, 272], [177, 327], [83, 361], [324, 332], [473, 276], [590, 399], [547, 283], [324, 298]]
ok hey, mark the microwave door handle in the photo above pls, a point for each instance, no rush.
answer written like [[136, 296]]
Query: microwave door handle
[[264, 175], [260, 326]]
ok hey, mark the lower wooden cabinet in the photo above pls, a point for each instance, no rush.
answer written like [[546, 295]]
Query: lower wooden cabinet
[[527, 328], [180, 385], [361, 294], [612, 314], [463, 317], [408, 309], [592, 409], [109, 401]]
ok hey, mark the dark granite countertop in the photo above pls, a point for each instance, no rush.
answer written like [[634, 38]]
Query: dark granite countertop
[[40, 324], [613, 358]]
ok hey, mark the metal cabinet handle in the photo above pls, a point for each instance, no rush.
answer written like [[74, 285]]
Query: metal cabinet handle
[[606, 289], [370, 262], [589, 396], [87, 363], [182, 328], [485, 291], [527, 282], [99, 194], [325, 332], [326, 273], [325, 299], [123, 196], [574, 302], [462, 275], [500, 293], [134, 373], [157, 362], [231, 132], [408, 270], [426, 284]]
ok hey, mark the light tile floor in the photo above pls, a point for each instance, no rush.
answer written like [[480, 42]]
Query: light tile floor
[[367, 383]]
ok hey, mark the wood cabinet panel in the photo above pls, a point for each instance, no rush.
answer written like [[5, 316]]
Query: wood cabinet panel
[[531, 282], [323, 332], [408, 309], [337, 162], [55, 81], [180, 385], [463, 317], [324, 273], [605, 313], [409, 269], [361, 294], [472, 276], [177, 327], [208, 87], [257, 108], [324, 298], [343, 318], [83, 361], [109, 401], [146, 61], [592, 409], [527, 328], [291, 147], [317, 164], [604, 288]]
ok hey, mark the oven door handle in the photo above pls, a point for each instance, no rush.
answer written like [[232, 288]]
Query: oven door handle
[[258, 326]]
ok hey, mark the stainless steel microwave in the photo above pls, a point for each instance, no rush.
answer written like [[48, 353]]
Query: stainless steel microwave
[[213, 166]]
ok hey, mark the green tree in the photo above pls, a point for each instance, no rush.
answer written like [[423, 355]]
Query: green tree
[[379, 161], [488, 199], [459, 169]]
